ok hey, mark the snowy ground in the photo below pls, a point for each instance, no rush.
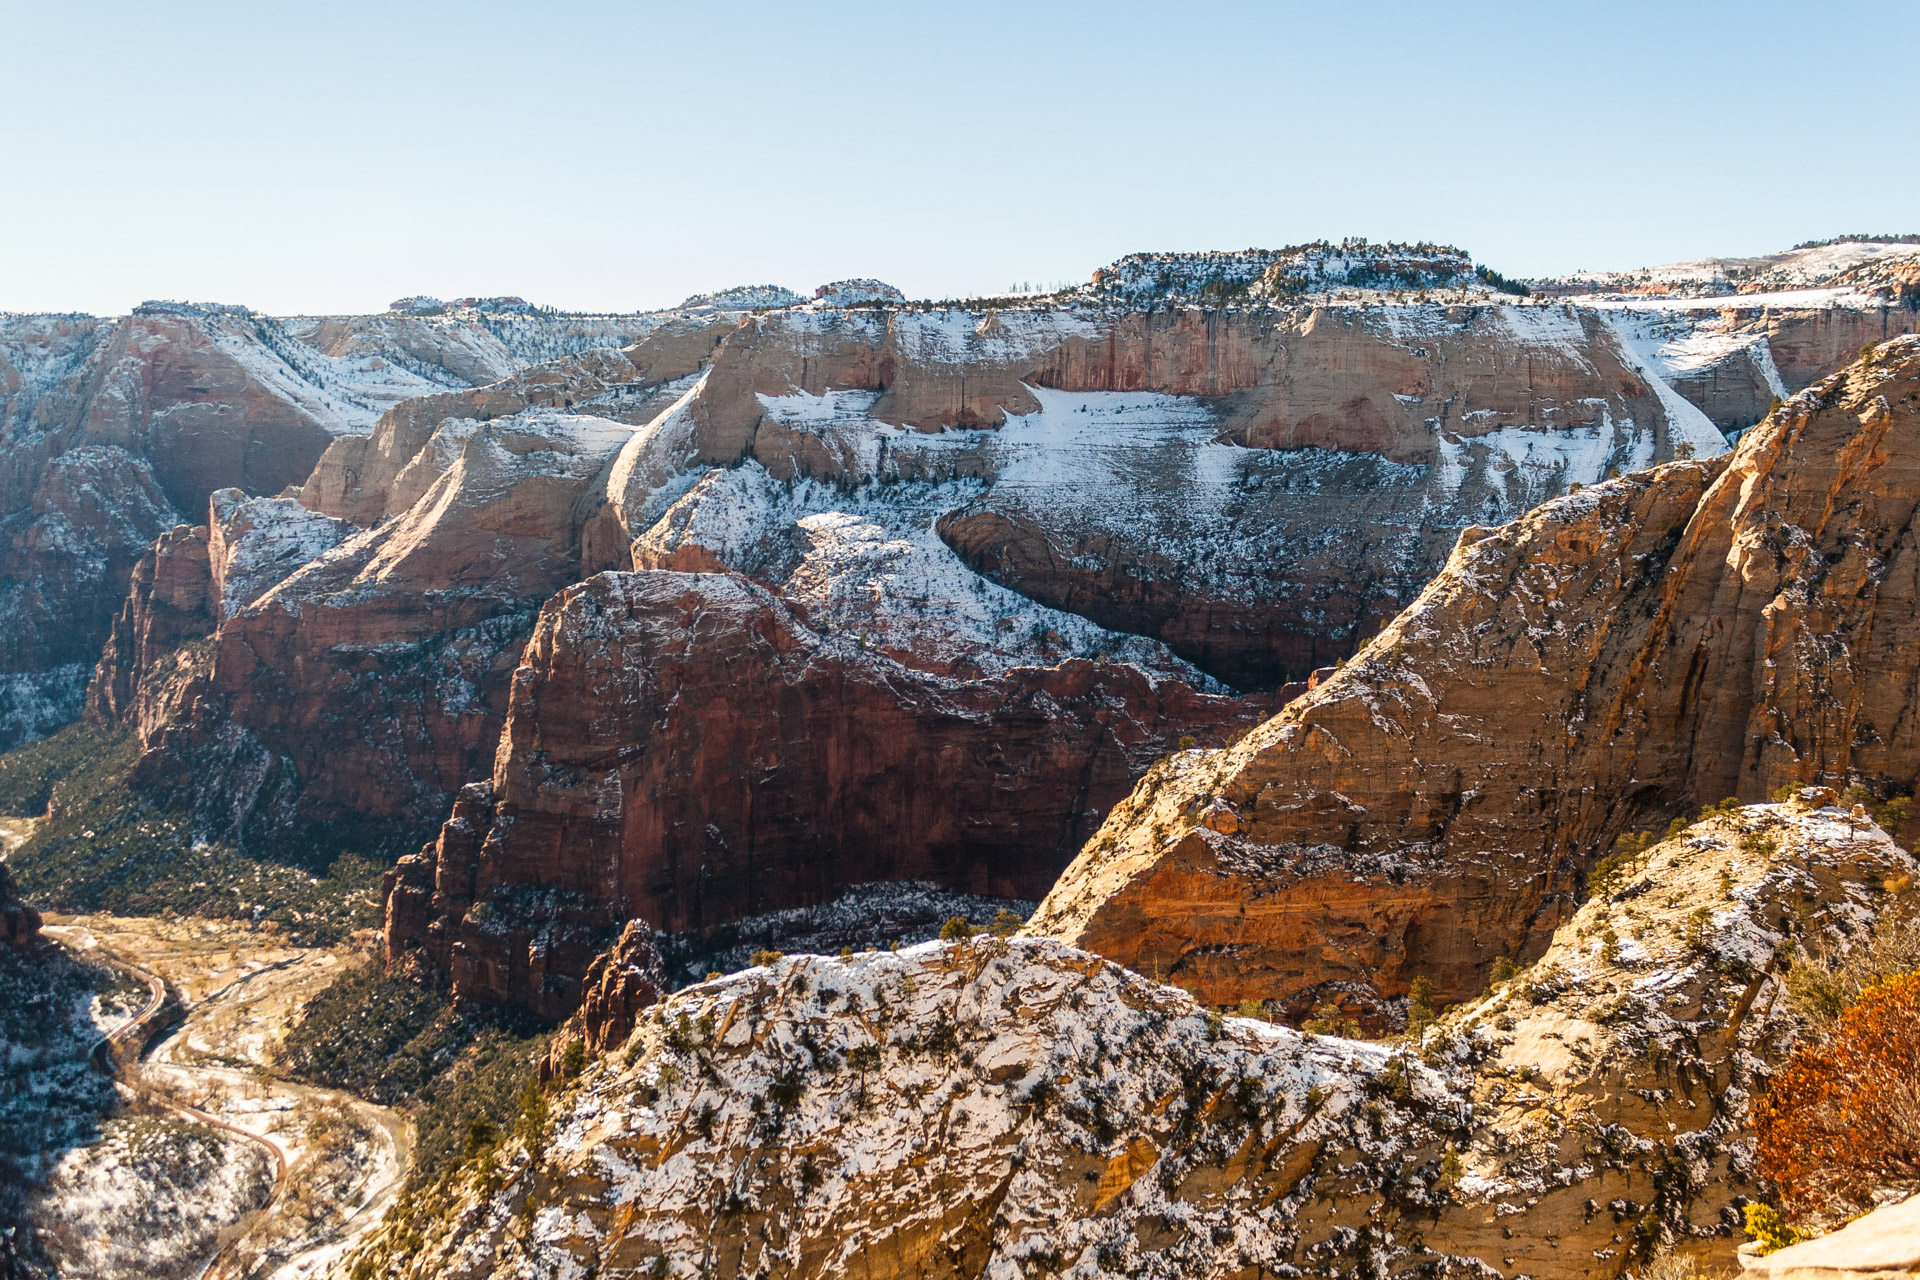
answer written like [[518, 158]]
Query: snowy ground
[[195, 1163]]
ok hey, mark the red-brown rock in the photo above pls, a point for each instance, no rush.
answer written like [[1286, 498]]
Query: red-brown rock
[[683, 749], [19, 921]]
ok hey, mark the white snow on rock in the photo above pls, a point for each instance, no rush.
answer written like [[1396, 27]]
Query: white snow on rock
[[258, 542], [1685, 423], [869, 564], [1795, 277], [849, 293]]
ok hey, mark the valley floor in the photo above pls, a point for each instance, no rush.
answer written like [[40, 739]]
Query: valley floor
[[298, 1173]]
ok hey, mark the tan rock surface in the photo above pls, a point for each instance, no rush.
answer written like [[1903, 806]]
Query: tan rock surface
[[1365, 438], [1616, 657], [365, 689], [1882, 1245], [1016, 1108]]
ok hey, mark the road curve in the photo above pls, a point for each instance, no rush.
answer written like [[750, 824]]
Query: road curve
[[134, 1034]]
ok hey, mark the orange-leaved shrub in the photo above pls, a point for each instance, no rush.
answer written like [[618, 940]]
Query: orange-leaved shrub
[[1843, 1118]]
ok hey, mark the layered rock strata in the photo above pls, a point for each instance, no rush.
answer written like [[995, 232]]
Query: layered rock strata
[[367, 478], [686, 749], [1024, 1107], [1249, 487], [1695, 631], [111, 429], [360, 692]]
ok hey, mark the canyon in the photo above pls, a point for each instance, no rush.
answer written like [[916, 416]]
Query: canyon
[[989, 561], [1299, 629], [1011, 1106]]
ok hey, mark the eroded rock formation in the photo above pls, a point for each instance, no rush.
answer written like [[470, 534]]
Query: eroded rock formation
[[1662, 640], [686, 749], [1250, 487], [20, 922], [994, 1107], [358, 693]]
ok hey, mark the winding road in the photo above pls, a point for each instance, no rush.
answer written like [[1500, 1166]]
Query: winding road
[[141, 1059]]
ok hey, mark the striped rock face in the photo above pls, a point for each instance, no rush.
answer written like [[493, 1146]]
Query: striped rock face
[[1615, 658]]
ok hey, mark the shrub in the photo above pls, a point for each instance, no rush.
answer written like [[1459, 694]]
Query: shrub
[[1005, 923], [1698, 929], [1612, 872], [1331, 1020], [765, 959], [1864, 1078], [1610, 946], [1894, 815], [1824, 980], [1452, 1169], [956, 929], [1728, 805], [1764, 1224], [1503, 971]]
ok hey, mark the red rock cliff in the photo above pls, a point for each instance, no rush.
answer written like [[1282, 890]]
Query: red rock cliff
[[684, 749]]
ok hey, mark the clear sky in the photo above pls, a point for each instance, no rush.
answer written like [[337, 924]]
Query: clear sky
[[333, 156]]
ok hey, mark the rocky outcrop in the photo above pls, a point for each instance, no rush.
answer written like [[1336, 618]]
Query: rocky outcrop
[[111, 429], [92, 512], [19, 922], [470, 342], [1735, 364], [686, 749], [188, 583], [1008, 1107], [1620, 655], [170, 601], [367, 478], [623, 983], [358, 694]]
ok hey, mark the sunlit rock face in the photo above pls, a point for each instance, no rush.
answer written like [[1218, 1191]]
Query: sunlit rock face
[[999, 1107], [1616, 657]]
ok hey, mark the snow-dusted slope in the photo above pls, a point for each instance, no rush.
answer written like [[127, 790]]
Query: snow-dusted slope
[[1006, 1108], [1845, 270]]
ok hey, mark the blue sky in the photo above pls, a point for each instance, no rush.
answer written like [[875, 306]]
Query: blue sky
[[330, 157]]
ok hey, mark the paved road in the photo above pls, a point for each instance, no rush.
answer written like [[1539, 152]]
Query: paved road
[[122, 1050]]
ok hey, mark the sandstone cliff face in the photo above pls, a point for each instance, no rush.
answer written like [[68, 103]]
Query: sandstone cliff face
[[685, 749], [1733, 363], [145, 662], [1620, 655], [92, 512], [360, 692], [189, 582], [1253, 488], [111, 429], [368, 478], [1018, 1108]]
